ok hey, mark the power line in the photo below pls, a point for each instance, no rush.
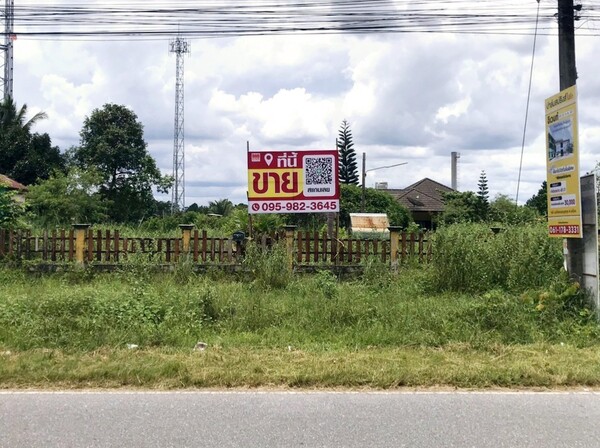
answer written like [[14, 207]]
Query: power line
[[208, 18]]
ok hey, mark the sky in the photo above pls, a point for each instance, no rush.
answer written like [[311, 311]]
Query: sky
[[409, 97]]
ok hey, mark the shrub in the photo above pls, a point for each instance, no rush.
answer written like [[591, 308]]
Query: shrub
[[268, 268], [470, 257]]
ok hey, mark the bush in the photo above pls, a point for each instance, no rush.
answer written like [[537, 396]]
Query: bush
[[470, 257], [268, 268]]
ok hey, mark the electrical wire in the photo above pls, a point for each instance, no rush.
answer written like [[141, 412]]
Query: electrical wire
[[145, 19], [527, 106]]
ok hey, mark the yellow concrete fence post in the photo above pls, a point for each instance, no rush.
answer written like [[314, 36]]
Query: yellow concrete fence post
[[289, 245], [80, 246], [394, 234], [186, 237]]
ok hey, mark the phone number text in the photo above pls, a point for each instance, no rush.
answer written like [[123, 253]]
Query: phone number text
[[293, 206]]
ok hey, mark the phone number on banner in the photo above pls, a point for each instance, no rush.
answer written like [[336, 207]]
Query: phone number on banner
[[294, 206], [564, 230]]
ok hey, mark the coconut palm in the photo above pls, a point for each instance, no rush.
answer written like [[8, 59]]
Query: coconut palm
[[10, 116], [222, 207]]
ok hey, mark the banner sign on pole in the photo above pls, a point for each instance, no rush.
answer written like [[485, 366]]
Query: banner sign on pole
[[562, 162], [293, 181]]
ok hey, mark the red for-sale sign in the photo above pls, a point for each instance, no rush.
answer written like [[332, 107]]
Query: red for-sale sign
[[293, 181]]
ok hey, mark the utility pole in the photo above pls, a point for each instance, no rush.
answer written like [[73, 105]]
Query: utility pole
[[568, 78], [180, 47], [7, 49]]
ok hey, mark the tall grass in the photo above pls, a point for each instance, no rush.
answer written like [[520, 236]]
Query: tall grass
[[316, 312], [470, 257]]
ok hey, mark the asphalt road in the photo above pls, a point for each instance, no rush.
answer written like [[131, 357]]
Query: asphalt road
[[299, 419]]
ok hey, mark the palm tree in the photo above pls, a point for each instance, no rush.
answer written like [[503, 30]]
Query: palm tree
[[9, 116], [222, 207]]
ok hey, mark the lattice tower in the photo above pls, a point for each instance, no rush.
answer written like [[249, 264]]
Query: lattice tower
[[180, 47]]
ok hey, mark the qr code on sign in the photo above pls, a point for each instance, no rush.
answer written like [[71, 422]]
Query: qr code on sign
[[318, 170]]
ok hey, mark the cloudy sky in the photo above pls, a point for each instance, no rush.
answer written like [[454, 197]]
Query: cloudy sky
[[409, 97]]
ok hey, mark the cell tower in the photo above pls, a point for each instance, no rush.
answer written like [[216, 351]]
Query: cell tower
[[180, 47], [6, 74]]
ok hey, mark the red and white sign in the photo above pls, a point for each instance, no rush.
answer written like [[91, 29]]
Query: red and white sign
[[293, 181]]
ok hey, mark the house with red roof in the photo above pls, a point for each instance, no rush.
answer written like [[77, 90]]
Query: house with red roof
[[13, 185], [424, 200]]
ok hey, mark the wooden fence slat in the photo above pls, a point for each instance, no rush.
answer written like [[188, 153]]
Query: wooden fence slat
[[107, 246], [117, 241], [204, 246], [28, 245], [71, 244], [2, 242], [176, 249], [299, 247], [195, 246]]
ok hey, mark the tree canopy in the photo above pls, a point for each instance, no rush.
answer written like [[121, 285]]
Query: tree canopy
[[539, 200], [376, 201], [24, 156], [112, 144]]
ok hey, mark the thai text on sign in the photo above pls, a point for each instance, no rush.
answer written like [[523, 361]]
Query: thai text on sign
[[293, 181]]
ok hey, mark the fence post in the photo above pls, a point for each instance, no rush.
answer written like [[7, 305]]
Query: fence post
[[394, 232], [186, 236], [289, 245], [80, 246]]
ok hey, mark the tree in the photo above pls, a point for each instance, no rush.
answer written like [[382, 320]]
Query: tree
[[222, 207], [112, 143], [483, 196], [503, 210], [461, 207], [348, 171], [25, 157], [10, 209], [376, 201], [40, 161], [539, 201], [10, 117], [69, 198]]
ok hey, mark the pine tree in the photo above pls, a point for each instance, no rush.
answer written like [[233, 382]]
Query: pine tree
[[483, 196], [347, 168]]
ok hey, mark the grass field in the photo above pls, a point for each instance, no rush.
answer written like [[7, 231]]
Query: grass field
[[272, 329]]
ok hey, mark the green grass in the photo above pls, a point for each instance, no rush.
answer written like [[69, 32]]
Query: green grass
[[379, 331]]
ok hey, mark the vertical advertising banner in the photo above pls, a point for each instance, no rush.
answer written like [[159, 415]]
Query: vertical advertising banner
[[293, 181], [562, 162]]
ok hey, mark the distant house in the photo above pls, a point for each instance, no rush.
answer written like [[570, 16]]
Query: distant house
[[13, 185], [423, 199]]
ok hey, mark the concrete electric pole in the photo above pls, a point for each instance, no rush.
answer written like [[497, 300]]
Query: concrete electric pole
[[568, 78], [7, 49]]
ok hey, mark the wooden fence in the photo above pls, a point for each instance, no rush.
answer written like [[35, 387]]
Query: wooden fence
[[84, 245]]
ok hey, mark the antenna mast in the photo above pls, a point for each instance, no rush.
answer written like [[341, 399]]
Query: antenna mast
[[6, 78], [180, 47]]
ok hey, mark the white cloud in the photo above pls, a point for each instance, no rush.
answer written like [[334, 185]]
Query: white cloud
[[408, 97]]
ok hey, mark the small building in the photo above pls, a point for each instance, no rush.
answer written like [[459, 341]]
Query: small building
[[369, 224], [424, 200], [13, 185]]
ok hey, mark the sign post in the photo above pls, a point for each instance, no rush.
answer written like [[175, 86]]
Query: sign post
[[293, 182], [589, 208]]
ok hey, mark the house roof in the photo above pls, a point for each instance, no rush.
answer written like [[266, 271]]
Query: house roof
[[11, 184], [424, 195]]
